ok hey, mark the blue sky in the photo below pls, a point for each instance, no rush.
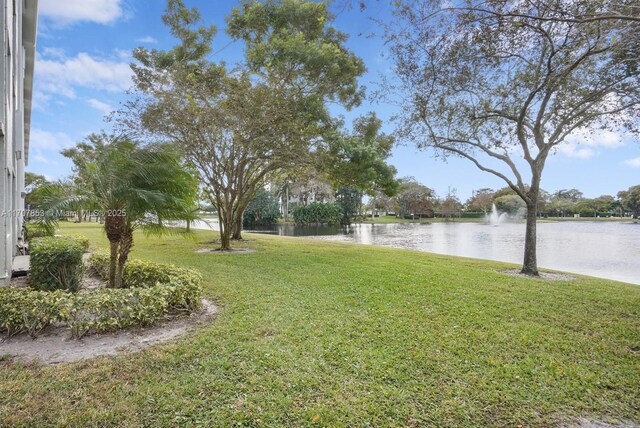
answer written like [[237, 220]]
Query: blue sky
[[82, 72]]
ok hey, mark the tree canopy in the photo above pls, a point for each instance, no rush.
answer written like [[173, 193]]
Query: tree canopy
[[358, 159]]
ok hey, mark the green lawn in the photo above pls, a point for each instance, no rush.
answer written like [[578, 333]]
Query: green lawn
[[316, 333], [605, 219]]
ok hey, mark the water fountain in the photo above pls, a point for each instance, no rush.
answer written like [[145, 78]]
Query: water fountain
[[495, 218]]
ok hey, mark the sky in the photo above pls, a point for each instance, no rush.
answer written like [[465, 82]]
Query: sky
[[82, 73]]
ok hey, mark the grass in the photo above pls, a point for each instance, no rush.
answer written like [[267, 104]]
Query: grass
[[598, 219], [315, 333]]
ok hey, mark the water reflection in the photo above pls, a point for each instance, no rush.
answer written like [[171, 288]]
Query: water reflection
[[606, 250]]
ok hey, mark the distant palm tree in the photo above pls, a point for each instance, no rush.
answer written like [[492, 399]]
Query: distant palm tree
[[134, 187]]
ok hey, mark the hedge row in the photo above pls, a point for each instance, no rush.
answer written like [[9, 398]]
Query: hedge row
[[91, 311], [318, 213], [56, 262], [138, 273]]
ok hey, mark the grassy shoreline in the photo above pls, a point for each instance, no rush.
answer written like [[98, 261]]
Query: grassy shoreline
[[319, 333]]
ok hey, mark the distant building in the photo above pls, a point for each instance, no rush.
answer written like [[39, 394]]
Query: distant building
[[17, 49]]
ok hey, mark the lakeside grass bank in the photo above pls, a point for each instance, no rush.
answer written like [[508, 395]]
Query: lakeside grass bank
[[316, 333]]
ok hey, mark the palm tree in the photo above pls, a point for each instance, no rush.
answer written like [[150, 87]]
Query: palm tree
[[134, 187]]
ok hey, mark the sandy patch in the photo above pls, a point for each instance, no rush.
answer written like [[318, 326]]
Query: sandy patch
[[55, 346], [549, 276]]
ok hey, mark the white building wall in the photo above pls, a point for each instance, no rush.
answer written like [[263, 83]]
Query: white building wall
[[17, 50]]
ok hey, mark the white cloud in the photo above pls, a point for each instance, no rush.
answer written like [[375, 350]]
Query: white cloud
[[53, 53], [99, 105], [40, 100], [123, 54], [64, 12], [573, 151], [40, 158], [583, 144], [41, 140], [635, 162], [60, 77], [147, 39]]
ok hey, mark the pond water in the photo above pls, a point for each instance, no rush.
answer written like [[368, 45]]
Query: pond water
[[601, 249]]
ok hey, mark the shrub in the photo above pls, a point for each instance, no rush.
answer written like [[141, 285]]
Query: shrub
[[143, 274], [318, 213], [56, 263], [83, 241], [174, 290], [99, 262], [27, 310], [110, 309]]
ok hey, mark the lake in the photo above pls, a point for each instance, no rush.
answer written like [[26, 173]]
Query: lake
[[602, 249]]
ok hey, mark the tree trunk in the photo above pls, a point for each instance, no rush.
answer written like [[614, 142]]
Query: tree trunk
[[237, 231], [239, 218], [225, 223], [530, 265], [225, 237], [114, 227], [113, 245], [126, 243], [286, 209], [237, 226]]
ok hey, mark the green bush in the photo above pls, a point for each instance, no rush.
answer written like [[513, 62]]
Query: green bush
[[99, 262], [171, 289], [83, 241], [110, 309], [26, 310], [56, 263], [143, 274], [318, 213]]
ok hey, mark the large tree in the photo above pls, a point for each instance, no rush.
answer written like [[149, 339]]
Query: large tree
[[241, 127], [503, 83]]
